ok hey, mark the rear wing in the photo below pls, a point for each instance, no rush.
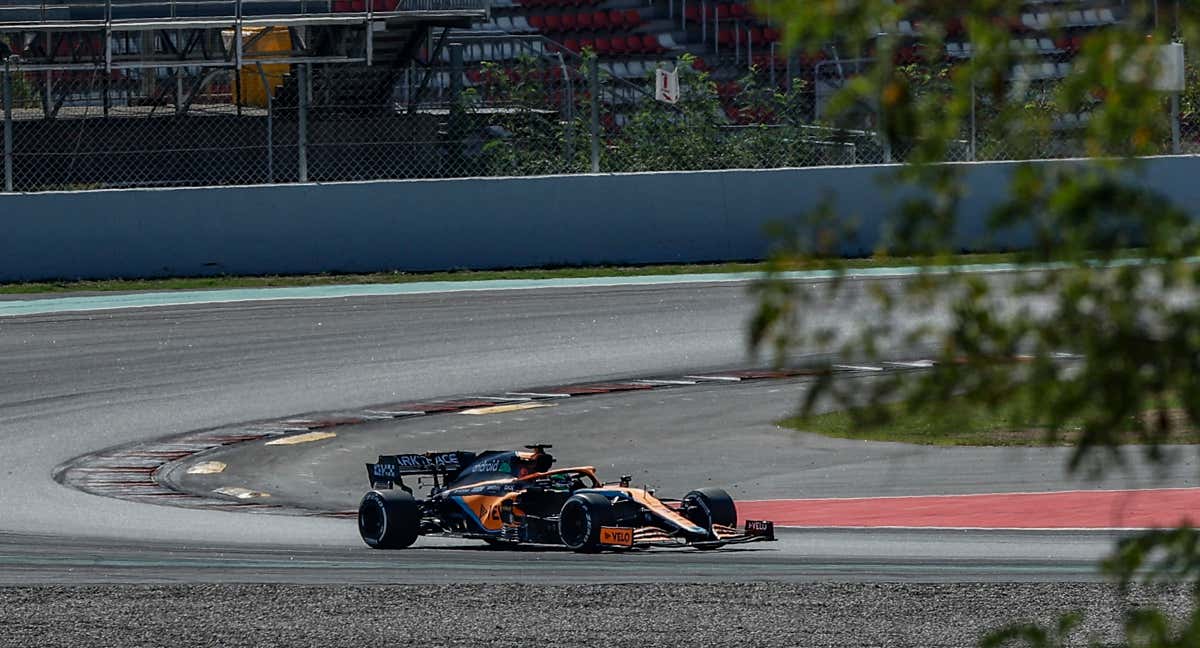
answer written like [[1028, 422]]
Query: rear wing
[[391, 469]]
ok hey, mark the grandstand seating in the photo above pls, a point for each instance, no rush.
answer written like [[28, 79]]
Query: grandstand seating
[[732, 38], [632, 37]]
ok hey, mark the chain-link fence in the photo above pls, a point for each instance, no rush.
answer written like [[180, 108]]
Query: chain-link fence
[[494, 107]]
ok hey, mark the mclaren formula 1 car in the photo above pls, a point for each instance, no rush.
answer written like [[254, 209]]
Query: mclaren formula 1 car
[[516, 497]]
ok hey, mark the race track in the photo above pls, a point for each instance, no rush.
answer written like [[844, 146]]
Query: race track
[[75, 383]]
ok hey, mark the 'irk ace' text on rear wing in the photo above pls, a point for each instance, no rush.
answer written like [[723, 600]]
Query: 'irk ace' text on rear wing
[[442, 466]]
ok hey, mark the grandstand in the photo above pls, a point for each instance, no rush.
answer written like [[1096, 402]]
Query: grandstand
[[730, 40]]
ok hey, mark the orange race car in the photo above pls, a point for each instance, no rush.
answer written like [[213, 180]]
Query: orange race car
[[515, 497]]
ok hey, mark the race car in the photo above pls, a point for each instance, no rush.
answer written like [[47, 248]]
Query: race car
[[507, 498]]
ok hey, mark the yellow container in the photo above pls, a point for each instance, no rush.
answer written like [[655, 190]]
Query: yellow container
[[275, 41]]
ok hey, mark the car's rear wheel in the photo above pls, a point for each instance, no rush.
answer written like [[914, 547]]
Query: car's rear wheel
[[708, 506], [580, 520], [388, 519]]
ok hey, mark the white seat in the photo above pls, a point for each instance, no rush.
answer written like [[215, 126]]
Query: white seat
[[906, 28], [1031, 44], [1106, 16], [1046, 45], [1044, 21], [667, 41], [519, 24], [1049, 71], [1029, 20], [1091, 17], [1075, 19], [1064, 70], [953, 49]]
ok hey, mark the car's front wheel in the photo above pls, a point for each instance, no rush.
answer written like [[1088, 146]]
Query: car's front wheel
[[710, 506], [388, 519], [580, 520]]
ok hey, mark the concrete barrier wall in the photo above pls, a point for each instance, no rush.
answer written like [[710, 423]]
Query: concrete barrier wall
[[470, 223]]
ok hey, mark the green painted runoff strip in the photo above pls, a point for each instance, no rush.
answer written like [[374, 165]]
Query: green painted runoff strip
[[49, 305]]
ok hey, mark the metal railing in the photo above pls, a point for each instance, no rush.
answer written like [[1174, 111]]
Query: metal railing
[[83, 14]]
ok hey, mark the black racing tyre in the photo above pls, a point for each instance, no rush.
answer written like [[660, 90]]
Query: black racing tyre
[[580, 520], [388, 519], [708, 506]]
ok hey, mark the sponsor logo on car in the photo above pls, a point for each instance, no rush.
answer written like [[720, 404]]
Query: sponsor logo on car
[[616, 536], [763, 528]]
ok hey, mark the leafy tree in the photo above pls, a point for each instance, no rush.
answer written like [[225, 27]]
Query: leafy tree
[[1115, 262]]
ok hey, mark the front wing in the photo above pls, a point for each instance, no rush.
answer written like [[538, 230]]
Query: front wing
[[622, 537]]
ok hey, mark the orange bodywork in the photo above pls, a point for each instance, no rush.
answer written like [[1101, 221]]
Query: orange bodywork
[[488, 508]]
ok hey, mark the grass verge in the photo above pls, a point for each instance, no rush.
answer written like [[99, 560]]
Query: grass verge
[[959, 422], [278, 281]]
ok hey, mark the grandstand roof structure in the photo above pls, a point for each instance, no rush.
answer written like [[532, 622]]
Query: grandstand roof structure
[[88, 34]]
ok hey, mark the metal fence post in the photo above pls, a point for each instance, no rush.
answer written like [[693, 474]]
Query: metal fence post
[[454, 124], [8, 129], [302, 136], [270, 125], [568, 115], [594, 84], [1176, 146], [973, 127]]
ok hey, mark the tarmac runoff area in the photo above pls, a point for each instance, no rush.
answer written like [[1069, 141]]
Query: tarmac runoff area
[[119, 572]]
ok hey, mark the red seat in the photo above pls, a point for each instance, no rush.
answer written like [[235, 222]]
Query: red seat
[[568, 22], [603, 45], [600, 20], [692, 13], [616, 18], [737, 10], [650, 44], [553, 22], [699, 64], [572, 45], [341, 5], [358, 5], [770, 34], [619, 45], [584, 20], [587, 43], [537, 22], [756, 35], [725, 37], [632, 18], [721, 12]]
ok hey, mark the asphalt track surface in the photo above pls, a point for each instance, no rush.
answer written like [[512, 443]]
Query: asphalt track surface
[[77, 382]]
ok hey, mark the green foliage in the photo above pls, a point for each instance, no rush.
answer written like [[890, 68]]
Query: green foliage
[[1015, 421], [537, 116], [1121, 296]]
